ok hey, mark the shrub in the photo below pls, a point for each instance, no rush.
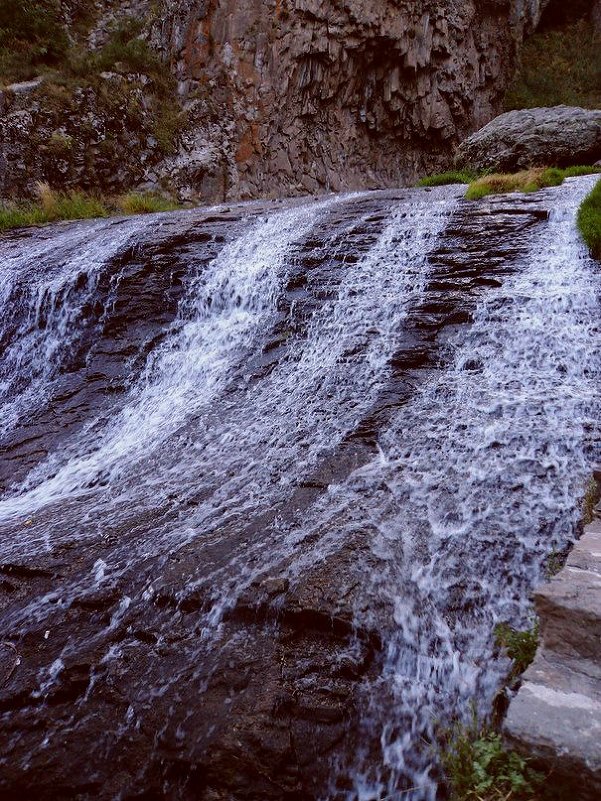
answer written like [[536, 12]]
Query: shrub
[[589, 221], [446, 178], [478, 767]]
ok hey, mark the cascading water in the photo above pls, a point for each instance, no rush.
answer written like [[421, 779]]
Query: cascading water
[[201, 410]]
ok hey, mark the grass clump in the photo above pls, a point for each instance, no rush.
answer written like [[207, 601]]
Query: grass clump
[[52, 206], [525, 181], [478, 767], [589, 221], [145, 203], [589, 501], [446, 178], [559, 67]]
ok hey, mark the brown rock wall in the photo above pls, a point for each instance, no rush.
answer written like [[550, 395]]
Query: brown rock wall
[[285, 97]]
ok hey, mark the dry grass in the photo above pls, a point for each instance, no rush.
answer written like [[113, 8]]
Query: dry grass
[[525, 181]]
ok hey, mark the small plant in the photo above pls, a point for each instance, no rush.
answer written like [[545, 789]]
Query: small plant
[[554, 563], [478, 767], [520, 646], [525, 181], [446, 178], [589, 221]]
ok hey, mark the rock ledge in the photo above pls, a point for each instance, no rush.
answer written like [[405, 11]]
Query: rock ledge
[[556, 715]]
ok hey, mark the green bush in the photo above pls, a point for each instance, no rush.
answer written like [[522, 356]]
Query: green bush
[[561, 66], [478, 767], [446, 178], [589, 221]]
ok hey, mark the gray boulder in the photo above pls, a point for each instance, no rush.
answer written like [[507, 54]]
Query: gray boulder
[[560, 136]]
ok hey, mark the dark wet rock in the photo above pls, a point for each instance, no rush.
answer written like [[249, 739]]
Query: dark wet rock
[[257, 717], [214, 667], [560, 136]]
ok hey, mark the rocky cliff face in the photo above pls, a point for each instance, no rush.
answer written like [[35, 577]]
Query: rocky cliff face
[[279, 97]]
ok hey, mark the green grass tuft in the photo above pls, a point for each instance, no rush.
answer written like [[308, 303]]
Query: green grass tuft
[[54, 206], [51, 207], [145, 203], [589, 221], [446, 178]]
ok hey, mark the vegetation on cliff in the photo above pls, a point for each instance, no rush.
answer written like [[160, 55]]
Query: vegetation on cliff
[[32, 36], [589, 221], [560, 66], [99, 116]]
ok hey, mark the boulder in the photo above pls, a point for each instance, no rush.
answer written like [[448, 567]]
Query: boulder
[[560, 136]]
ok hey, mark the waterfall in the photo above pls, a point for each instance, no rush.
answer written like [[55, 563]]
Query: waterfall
[[399, 387]]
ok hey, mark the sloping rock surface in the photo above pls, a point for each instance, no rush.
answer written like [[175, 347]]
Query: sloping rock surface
[[556, 715], [559, 136]]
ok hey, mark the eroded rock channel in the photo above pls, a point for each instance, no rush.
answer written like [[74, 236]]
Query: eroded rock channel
[[271, 473]]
